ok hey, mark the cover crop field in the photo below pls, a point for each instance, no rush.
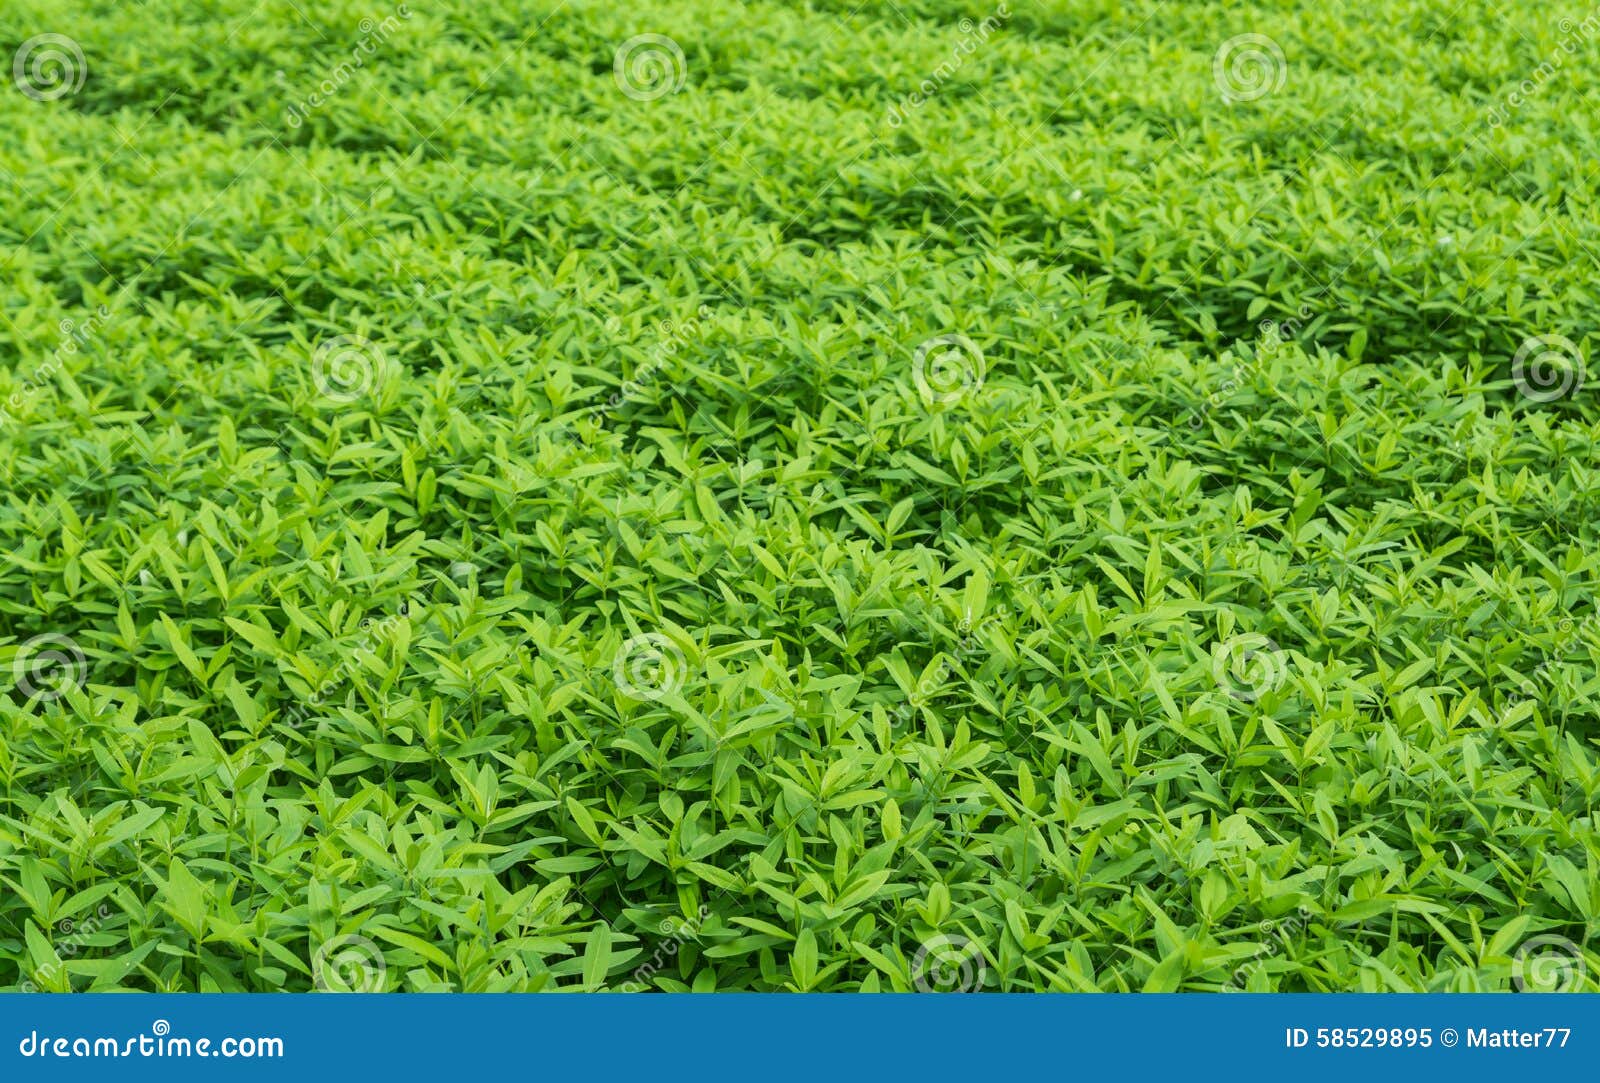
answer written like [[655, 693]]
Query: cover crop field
[[918, 494]]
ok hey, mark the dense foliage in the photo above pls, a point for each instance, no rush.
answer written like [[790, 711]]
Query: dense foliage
[[1080, 494]]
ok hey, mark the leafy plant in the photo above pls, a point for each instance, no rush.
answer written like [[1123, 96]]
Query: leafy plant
[[482, 529]]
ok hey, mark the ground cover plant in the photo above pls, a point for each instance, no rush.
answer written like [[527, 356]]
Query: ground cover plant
[[918, 494]]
